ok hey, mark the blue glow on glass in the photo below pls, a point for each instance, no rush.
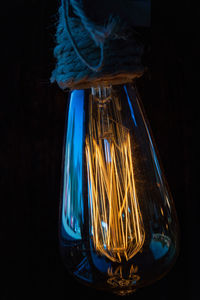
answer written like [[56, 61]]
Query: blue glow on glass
[[157, 168], [104, 225], [155, 160], [131, 107], [72, 189], [100, 262], [158, 249], [107, 150], [84, 270]]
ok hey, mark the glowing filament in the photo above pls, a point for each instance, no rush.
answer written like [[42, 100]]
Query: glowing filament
[[117, 226]]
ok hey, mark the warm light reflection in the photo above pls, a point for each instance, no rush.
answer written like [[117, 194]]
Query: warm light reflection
[[118, 278], [117, 226]]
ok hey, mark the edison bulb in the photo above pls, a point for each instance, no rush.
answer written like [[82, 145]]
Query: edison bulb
[[118, 224]]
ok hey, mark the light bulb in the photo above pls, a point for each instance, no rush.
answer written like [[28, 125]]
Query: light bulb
[[118, 224]]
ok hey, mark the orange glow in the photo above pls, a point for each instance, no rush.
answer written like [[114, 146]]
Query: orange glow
[[117, 226]]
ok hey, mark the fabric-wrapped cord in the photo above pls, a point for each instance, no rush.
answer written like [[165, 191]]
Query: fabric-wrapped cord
[[121, 61]]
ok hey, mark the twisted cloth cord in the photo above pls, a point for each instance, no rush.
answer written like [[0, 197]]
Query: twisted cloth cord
[[89, 54]]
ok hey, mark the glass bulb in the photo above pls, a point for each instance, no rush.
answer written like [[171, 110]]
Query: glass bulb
[[118, 224]]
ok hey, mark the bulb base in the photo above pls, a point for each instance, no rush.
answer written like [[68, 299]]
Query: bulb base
[[125, 292]]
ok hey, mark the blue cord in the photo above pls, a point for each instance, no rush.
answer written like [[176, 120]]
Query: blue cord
[[65, 5]]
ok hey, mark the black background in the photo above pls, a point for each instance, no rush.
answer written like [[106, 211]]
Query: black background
[[32, 116]]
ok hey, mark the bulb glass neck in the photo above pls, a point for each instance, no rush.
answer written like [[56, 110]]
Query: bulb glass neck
[[102, 94]]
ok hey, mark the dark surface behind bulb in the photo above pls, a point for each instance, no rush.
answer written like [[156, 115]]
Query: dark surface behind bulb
[[32, 119]]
